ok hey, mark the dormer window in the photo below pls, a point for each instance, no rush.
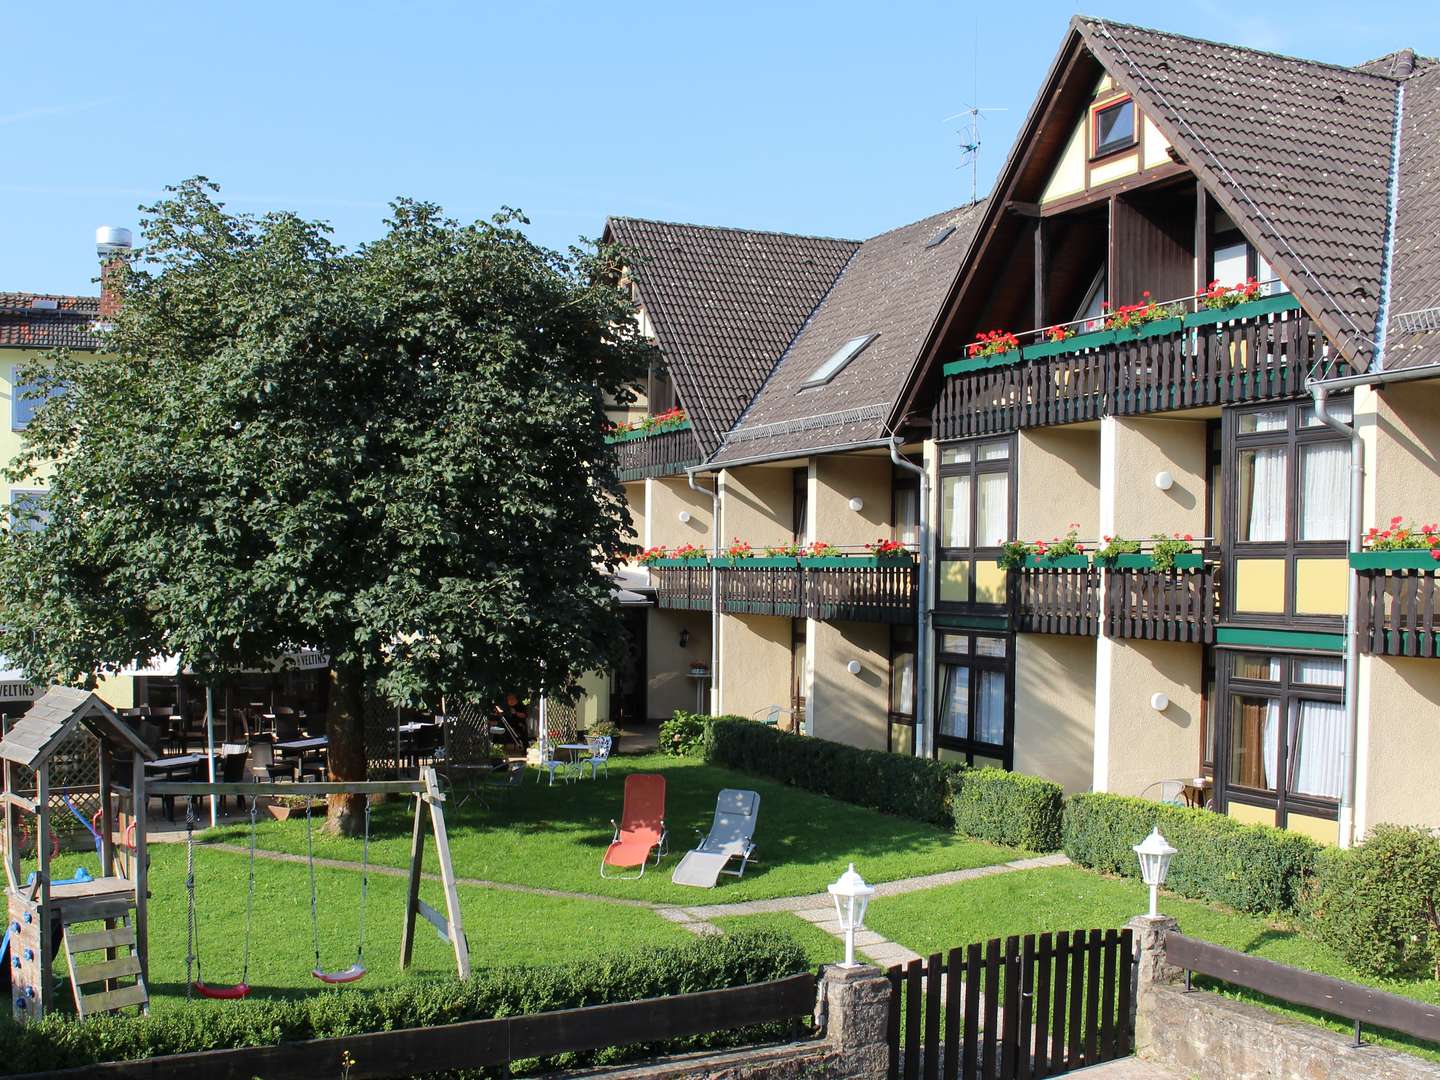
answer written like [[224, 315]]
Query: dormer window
[[1112, 127]]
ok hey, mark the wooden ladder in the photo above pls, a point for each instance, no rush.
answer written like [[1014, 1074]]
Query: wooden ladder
[[119, 940]]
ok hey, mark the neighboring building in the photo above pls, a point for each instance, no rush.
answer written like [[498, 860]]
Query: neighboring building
[[1150, 166]]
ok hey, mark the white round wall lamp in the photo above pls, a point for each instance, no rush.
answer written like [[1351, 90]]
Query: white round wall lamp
[[857, 504], [1164, 480], [684, 517], [1159, 701], [853, 667]]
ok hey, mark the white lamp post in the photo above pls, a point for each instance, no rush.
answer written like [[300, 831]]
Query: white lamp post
[[852, 896], [1155, 854]]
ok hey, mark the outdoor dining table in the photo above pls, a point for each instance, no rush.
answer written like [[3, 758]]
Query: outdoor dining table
[[301, 746], [187, 765]]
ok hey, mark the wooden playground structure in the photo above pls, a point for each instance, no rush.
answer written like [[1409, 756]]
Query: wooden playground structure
[[41, 908]]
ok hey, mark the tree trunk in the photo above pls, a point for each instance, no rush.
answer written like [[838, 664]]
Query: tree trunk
[[345, 728]]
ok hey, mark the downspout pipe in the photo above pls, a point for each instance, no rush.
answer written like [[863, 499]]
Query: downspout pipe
[[714, 495], [1320, 392], [922, 606]]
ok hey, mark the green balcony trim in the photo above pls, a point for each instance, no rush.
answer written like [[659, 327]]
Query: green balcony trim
[[1280, 639], [627, 436], [1397, 642], [756, 562], [1249, 310], [695, 564], [1059, 562], [941, 621], [980, 363], [831, 561], [1412, 559], [1191, 561], [1158, 328]]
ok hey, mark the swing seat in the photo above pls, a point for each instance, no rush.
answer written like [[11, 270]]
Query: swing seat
[[221, 993], [354, 973]]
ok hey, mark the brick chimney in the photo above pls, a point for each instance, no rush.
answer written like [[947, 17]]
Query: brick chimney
[[113, 246]]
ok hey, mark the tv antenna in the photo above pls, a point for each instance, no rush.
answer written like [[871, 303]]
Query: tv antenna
[[970, 147]]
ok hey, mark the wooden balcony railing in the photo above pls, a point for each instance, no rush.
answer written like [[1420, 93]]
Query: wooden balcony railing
[[835, 588], [664, 453], [1056, 600], [1255, 352], [1162, 605], [1399, 605]]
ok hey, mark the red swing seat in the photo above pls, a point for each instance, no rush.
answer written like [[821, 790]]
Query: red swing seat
[[354, 973], [221, 993]]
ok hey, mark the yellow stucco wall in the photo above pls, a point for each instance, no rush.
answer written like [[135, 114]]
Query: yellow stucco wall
[[636, 501], [840, 478], [1143, 448], [1403, 695], [1055, 708], [1058, 473], [848, 708], [1401, 428], [10, 360], [1069, 175], [594, 705], [668, 686], [755, 505], [754, 663], [1146, 745], [667, 497]]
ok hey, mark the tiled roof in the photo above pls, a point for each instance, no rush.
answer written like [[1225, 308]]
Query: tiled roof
[[1413, 334], [893, 287], [42, 321], [724, 304], [1298, 152]]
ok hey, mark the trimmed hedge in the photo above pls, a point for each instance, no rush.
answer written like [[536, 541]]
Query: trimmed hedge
[[711, 963], [1009, 808], [1252, 868], [891, 783]]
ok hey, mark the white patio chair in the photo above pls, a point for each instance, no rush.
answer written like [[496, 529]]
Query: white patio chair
[[598, 756]]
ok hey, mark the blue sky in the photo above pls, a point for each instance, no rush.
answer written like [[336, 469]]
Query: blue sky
[[828, 118]]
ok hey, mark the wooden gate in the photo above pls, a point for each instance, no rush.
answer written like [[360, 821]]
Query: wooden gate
[[1042, 1005]]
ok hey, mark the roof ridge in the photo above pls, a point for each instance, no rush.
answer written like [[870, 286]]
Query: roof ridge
[[734, 229], [1349, 69], [961, 209]]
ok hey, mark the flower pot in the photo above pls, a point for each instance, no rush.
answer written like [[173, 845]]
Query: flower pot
[[1249, 310], [1187, 561], [696, 561], [1410, 559], [1056, 562], [980, 363], [284, 811], [1158, 328], [756, 562]]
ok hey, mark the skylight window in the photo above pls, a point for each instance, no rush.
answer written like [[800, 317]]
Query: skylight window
[[940, 237], [837, 360]]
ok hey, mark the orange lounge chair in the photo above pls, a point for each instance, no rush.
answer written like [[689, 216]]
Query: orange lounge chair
[[642, 827]]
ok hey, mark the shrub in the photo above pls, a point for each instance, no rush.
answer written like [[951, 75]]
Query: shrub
[[891, 783], [1376, 903], [1252, 868], [1009, 808], [683, 735], [58, 1041]]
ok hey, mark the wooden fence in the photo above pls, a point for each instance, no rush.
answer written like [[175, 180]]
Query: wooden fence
[[1056, 600], [1162, 605], [1038, 1006], [1360, 1005], [477, 1043], [1400, 612], [666, 453], [862, 593]]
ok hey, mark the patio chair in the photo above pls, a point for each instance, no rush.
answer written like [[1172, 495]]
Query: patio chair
[[597, 757], [641, 833], [1170, 792], [262, 763], [551, 764], [730, 837]]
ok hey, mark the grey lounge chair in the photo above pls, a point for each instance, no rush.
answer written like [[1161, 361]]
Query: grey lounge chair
[[730, 837]]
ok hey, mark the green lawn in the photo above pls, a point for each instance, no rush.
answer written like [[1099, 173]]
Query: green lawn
[[502, 927], [1069, 898], [555, 837]]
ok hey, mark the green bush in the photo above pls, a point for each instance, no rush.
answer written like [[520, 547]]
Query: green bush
[[58, 1041], [1375, 904], [1252, 868], [685, 733], [891, 783], [1009, 808]]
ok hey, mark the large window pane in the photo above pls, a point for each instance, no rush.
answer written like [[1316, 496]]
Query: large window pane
[[1260, 494], [1324, 491], [1257, 667], [907, 515], [1231, 263], [955, 511], [990, 708], [995, 451], [954, 455], [992, 509], [1317, 749], [1254, 740], [1320, 671], [1264, 420], [902, 681], [955, 702]]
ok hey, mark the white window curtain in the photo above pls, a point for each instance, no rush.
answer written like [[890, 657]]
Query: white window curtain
[[990, 719], [992, 510], [955, 719], [1320, 671], [902, 683], [1262, 494], [1270, 743], [955, 491], [1318, 748], [1324, 491], [907, 517]]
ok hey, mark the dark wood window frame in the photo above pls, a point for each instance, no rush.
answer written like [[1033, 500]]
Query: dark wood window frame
[[898, 644], [1098, 109], [1291, 439], [1290, 693], [970, 747], [974, 554]]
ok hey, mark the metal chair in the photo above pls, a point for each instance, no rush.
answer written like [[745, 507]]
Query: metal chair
[[598, 756], [1169, 792]]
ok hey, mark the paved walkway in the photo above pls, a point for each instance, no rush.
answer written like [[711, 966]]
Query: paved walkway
[[1131, 1068]]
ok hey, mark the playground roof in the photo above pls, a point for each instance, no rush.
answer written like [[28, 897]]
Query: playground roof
[[49, 722]]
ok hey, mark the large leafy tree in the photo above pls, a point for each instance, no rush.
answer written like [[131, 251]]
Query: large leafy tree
[[395, 454]]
